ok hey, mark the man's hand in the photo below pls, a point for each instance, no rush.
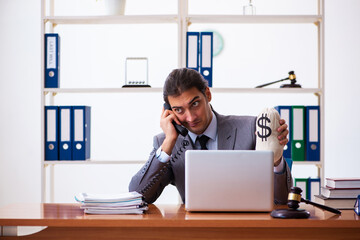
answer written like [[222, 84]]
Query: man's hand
[[166, 119], [282, 137], [283, 132]]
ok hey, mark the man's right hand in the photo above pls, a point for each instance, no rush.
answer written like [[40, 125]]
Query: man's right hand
[[166, 119]]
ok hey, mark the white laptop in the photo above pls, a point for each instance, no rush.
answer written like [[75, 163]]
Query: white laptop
[[229, 180]]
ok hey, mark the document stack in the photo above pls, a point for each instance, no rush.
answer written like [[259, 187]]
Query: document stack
[[123, 203]]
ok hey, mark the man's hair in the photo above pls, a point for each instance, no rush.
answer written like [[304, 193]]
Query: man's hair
[[181, 80]]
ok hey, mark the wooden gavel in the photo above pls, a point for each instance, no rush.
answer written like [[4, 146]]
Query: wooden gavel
[[294, 198]]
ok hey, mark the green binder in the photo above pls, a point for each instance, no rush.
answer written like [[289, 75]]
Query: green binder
[[298, 133], [303, 184]]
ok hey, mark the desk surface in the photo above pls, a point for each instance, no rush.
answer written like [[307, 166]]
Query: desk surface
[[173, 216]]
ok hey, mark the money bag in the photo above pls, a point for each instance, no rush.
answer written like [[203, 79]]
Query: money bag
[[267, 124]]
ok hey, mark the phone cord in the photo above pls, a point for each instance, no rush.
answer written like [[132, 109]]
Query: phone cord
[[165, 168]]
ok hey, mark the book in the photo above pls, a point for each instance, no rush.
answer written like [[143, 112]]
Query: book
[[343, 182], [340, 192], [123, 203], [339, 203]]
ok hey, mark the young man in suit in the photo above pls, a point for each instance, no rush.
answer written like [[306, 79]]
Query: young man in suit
[[189, 96]]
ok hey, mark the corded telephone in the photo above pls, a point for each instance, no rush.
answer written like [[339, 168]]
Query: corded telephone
[[180, 129]]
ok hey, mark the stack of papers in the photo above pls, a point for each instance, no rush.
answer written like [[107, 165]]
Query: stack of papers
[[123, 203]]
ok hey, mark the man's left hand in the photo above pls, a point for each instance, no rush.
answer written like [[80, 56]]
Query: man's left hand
[[283, 132]]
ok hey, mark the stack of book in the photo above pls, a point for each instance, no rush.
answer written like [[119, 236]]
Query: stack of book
[[340, 193], [123, 203]]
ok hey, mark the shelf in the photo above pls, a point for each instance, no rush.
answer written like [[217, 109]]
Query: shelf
[[266, 90], [101, 90], [136, 19], [92, 162], [265, 19], [109, 162], [214, 90], [317, 163], [132, 19]]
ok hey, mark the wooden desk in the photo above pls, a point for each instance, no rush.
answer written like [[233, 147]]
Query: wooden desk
[[67, 221]]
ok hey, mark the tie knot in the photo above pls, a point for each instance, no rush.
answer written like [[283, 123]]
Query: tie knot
[[203, 140]]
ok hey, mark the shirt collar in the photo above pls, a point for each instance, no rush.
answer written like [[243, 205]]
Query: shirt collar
[[211, 130]]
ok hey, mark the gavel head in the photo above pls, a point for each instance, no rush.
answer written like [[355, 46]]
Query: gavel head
[[294, 198]]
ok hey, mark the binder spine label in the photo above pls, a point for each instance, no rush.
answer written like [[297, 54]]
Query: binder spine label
[[52, 52]]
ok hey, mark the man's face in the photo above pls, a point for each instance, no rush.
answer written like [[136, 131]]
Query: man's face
[[192, 109]]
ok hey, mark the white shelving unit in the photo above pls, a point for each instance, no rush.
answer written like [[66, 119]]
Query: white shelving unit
[[183, 20]]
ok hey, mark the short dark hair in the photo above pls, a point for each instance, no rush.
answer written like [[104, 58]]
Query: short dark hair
[[181, 80]]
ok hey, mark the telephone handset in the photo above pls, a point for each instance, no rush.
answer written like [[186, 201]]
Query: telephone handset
[[180, 129]]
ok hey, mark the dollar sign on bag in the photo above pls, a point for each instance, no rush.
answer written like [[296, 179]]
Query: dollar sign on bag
[[265, 130]]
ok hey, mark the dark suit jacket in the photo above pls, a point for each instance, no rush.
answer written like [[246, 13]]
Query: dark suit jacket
[[234, 132]]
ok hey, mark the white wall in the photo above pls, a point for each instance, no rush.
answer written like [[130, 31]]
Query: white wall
[[342, 60], [20, 101]]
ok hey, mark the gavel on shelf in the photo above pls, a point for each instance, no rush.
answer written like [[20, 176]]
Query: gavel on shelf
[[294, 198]]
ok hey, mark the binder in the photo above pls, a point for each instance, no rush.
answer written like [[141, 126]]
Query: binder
[[51, 133], [313, 188], [206, 56], [65, 132], [285, 113], [52, 61], [192, 50], [312, 133], [81, 132], [298, 133], [303, 184]]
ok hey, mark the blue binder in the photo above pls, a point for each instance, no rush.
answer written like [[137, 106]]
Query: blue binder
[[192, 50], [206, 56], [312, 133], [51, 133], [81, 133], [286, 113], [65, 132], [52, 61], [313, 188]]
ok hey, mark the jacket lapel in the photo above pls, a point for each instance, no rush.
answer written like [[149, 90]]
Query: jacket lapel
[[226, 133]]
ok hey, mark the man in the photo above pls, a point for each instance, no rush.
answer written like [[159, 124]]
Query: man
[[189, 97]]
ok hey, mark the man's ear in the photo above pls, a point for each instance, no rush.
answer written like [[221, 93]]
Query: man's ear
[[208, 94]]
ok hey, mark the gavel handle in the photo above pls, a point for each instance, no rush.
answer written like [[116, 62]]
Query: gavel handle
[[330, 209]]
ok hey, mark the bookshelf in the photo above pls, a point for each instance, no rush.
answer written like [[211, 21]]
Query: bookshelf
[[182, 20]]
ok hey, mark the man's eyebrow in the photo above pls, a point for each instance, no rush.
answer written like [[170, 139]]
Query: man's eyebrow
[[190, 102], [193, 100]]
